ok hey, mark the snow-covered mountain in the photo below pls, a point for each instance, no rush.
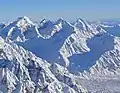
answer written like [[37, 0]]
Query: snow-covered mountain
[[59, 56], [20, 30]]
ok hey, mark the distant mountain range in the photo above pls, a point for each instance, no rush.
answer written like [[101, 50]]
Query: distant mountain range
[[59, 56]]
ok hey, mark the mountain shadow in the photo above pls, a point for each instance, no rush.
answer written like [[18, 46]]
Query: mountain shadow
[[98, 45], [48, 49]]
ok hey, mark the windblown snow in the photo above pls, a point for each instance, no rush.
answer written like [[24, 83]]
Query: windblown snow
[[59, 56]]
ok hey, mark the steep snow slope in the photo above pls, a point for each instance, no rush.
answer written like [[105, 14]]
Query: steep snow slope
[[48, 28], [23, 72], [109, 62], [76, 43], [84, 61], [104, 75], [20, 30], [45, 28]]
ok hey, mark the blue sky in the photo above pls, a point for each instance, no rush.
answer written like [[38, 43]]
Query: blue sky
[[53, 9]]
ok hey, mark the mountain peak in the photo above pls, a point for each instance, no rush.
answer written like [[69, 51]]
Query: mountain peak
[[23, 17], [43, 21], [80, 19], [60, 20], [24, 20], [82, 24]]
